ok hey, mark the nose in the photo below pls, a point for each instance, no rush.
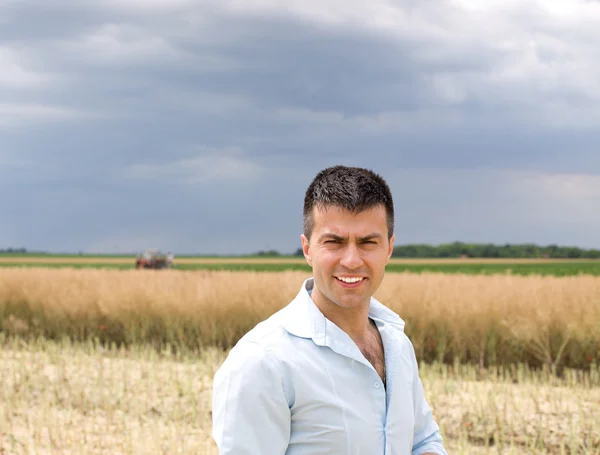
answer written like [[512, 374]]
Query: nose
[[351, 259]]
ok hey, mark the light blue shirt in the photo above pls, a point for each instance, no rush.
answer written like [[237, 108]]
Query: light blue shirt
[[297, 384]]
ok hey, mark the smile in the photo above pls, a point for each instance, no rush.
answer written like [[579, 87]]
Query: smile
[[350, 279]]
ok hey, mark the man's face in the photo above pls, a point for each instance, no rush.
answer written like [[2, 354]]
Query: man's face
[[348, 253]]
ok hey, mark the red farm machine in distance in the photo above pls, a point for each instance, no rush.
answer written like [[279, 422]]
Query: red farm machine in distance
[[154, 259]]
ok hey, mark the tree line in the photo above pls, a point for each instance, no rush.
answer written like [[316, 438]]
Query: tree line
[[489, 250], [14, 250], [484, 250], [456, 250]]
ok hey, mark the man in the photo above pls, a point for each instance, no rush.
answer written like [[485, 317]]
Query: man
[[333, 372]]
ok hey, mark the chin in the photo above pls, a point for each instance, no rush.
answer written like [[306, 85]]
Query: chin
[[351, 303]]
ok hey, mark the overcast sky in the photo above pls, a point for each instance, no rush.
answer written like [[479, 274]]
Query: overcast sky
[[195, 126]]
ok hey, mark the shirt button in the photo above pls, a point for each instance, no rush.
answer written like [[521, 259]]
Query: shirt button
[[377, 385]]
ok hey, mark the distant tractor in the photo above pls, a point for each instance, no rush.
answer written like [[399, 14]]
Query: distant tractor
[[153, 259]]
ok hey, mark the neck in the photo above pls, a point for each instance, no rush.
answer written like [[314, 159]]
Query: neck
[[353, 321]]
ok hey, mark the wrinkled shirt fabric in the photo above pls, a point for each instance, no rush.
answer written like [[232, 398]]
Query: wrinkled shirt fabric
[[297, 384]]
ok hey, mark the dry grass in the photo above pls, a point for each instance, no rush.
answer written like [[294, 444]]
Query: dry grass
[[59, 398], [498, 319], [484, 320]]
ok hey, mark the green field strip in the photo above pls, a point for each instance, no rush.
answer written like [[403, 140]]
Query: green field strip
[[547, 269]]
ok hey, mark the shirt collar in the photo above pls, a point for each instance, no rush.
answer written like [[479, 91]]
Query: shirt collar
[[306, 320]]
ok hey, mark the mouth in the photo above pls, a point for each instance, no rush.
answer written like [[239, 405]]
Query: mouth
[[350, 281]]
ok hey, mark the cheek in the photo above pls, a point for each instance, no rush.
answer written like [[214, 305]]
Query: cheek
[[324, 260], [376, 260]]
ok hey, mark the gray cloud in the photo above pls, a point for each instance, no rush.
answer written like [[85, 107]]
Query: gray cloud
[[216, 115]]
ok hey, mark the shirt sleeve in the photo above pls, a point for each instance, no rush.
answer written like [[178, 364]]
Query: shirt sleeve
[[250, 411], [427, 437]]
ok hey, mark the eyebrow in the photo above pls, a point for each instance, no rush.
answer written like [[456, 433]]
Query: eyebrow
[[373, 236]]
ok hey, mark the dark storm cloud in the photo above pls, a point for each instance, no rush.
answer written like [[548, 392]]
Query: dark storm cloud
[[214, 114]]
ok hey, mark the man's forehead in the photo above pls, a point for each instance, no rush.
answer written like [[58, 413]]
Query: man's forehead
[[343, 222]]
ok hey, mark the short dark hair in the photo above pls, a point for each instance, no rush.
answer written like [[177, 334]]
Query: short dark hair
[[352, 188]]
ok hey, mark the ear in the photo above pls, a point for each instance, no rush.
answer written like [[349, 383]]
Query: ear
[[391, 247], [306, 249]]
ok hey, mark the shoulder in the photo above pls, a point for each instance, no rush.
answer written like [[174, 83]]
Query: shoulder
[[271, 332], [256, 362], [262, 345]]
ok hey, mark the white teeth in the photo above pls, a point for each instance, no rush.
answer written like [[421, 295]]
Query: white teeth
[[349, 280]]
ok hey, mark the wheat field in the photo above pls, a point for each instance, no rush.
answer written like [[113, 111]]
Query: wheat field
[[484, 320], [108, 362]]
